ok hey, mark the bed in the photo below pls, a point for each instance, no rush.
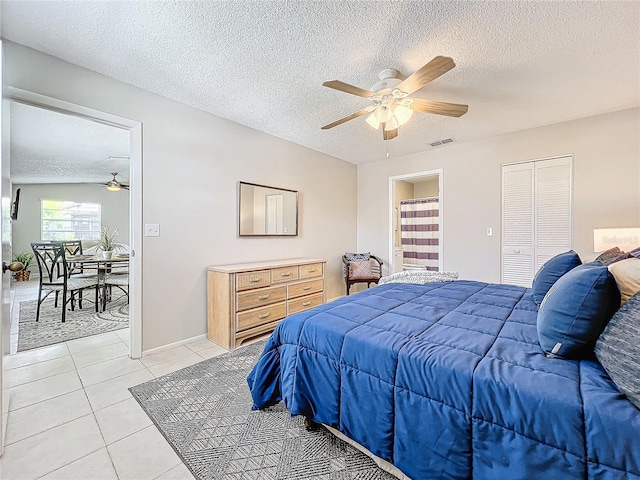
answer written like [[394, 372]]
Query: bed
[[448, 381]]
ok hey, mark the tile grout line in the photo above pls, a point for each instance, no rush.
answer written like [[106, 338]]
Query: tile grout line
[[50, 428], [39, 379], [80, 458], [34, 363], [46, 399]]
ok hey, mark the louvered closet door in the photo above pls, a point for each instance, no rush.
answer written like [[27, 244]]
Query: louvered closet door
[[517, 224], [536, 216], [552, 209]]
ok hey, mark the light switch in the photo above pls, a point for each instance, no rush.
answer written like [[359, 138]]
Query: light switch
[[151, 229], [489, 232]]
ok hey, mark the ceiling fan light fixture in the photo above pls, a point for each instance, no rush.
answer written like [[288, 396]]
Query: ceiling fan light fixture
[[392, 124], [373, 121], [113, 185], [383, 113], [402, 114]]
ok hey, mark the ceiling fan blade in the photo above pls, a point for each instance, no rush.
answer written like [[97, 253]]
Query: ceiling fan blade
[[350, 117], [439, 108], [389, 135], [432, 70], [345, 87]]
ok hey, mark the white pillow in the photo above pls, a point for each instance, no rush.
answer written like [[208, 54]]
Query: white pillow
[[627, 275]]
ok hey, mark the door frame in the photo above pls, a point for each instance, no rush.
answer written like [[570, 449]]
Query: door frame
[[135, 193], [392, 194]]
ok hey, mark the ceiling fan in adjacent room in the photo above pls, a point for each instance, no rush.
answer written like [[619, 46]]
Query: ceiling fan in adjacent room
[[392, 106], [114, 185]]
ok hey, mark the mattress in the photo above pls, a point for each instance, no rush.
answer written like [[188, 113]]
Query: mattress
[[448, 381]]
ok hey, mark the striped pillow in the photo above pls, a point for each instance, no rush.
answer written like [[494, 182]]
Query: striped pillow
[[618, 349]]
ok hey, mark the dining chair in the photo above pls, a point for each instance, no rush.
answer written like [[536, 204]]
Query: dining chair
[[54, 277], [118, 280], [73, 248]]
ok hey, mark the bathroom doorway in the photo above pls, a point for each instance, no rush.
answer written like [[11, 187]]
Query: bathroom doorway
[[416, 220]]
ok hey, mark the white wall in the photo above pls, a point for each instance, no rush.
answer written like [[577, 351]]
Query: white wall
[[27, 229], [606, 190], [426, 188], [191, 165]]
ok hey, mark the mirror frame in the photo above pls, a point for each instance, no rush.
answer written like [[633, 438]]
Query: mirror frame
[[293, 234]]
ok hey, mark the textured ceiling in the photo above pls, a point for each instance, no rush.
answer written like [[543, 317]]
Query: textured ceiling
[[51, 147], [519, 64]]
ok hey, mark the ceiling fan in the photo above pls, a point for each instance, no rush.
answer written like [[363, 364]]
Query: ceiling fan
[[392, 106], [114, 185]]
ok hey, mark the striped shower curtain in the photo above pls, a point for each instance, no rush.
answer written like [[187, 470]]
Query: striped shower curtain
[[420, 232]]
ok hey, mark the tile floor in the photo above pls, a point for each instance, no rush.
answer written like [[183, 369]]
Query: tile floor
[[71, 415]]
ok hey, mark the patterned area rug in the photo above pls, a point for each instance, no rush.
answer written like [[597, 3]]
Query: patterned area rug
[[204, 412], [78, 324]]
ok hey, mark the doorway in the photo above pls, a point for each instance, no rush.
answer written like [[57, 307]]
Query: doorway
[[416, 236], [134, 239]]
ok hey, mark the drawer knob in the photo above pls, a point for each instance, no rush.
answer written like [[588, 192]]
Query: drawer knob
[[254, 280], [311, 270], [306, 304], [286, 274], [263, 297], [307, 287], [264, 315]]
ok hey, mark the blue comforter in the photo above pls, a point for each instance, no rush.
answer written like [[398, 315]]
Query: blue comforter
[[448, 381]]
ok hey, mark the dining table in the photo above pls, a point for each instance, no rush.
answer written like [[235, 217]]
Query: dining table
[[117, 263]]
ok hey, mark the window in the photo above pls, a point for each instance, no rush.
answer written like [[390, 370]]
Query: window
[[66, 220]]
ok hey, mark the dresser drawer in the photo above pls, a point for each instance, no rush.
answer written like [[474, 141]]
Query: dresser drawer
[[304, 288], [260, 278], [259, 316], [254, 332], [304, 303], [259, 297], [284, 274], [311, 270]]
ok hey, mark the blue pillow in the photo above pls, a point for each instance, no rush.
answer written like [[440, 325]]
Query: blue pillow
[[576, 310], [551, 271]]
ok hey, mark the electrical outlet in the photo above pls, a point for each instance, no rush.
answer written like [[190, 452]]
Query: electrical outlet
[[489, 232], [151, 230]]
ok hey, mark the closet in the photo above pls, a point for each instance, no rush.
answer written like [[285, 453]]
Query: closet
[[536, 216]]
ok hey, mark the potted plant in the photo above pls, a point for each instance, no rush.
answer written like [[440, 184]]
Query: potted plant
[[108, 242], [26, 259]]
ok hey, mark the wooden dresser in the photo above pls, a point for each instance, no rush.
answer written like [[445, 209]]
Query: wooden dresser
[[249, 299]]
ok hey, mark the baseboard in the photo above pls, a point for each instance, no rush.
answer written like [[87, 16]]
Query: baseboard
[[174, 344]]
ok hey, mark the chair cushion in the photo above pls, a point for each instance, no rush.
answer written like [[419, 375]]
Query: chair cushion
[[360, 270], [357, 257], [82, 282], [551, 271], [575, 311], [121, 279], [618, 349]]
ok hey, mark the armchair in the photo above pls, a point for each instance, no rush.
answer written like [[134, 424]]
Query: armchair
[[361, 268]]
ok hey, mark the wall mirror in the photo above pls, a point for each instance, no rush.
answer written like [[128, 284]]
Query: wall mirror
[[264, 210]]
